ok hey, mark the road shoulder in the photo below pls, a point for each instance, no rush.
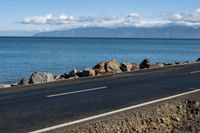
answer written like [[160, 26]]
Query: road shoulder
[[180, 114]]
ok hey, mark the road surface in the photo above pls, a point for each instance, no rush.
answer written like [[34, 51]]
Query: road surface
[[30, 108]]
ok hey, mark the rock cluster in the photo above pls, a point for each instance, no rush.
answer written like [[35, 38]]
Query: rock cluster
[[37, 78], [107, 67], [102, 68]]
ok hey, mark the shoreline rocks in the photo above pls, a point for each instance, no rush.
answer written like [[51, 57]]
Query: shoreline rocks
[[146, 63], [108, 67], [127, 67], [41, 77], [100, 68], [87, 72], [72, 73], [112, 67], [24, 81], [5, 86]]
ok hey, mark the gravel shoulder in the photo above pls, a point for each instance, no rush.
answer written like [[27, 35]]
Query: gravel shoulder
[[178, 115]]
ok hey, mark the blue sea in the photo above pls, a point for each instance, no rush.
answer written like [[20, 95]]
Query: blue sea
[[20, 56]]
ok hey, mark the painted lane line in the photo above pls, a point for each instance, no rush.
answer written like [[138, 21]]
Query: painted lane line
[[75, 92], [113, 112], [194, 72]]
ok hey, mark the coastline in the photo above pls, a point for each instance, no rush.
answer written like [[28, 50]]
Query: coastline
[[125, 89], [60, 55], [101, 69]]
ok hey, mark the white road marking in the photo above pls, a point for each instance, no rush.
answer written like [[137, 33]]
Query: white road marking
[[74, 92], [112, 112], [194, 72]]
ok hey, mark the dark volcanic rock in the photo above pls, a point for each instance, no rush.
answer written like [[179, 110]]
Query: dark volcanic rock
[[72, 73], [87, 72], [198, 60], [145, 64], [169, 64], [40, 77]]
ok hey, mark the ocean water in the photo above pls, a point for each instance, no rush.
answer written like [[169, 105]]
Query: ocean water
[[19, 57]]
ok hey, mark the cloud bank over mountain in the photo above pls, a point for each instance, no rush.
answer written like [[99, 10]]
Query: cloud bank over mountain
[[131, 20]]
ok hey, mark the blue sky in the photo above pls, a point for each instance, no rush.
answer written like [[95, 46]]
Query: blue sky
[[18, 14]]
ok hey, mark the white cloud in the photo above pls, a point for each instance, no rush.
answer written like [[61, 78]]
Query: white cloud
[[152, 23], [48, 19], [192, 18], [196, 12], [133, 19], [134, 15], [177, 17]]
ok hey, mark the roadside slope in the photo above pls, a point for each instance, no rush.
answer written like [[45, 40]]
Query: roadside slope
[[179, 115]]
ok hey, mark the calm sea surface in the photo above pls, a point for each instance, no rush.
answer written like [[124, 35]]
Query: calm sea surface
[[20, 57]]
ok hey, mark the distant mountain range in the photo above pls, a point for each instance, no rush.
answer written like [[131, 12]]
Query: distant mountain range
[[127, 32], [19, 33]]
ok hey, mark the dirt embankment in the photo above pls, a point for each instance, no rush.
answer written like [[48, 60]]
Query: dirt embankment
[[177, 116]]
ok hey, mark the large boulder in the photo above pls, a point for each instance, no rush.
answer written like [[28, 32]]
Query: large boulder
[[40, 77], [72, 73], [112, 67], [198, 60], [126, 67], [87, 72], [4, 85], [146, 63], [24, 81], [100, 68], [107, 67]]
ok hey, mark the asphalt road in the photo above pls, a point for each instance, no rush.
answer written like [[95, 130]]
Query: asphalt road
[[25, 109]]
